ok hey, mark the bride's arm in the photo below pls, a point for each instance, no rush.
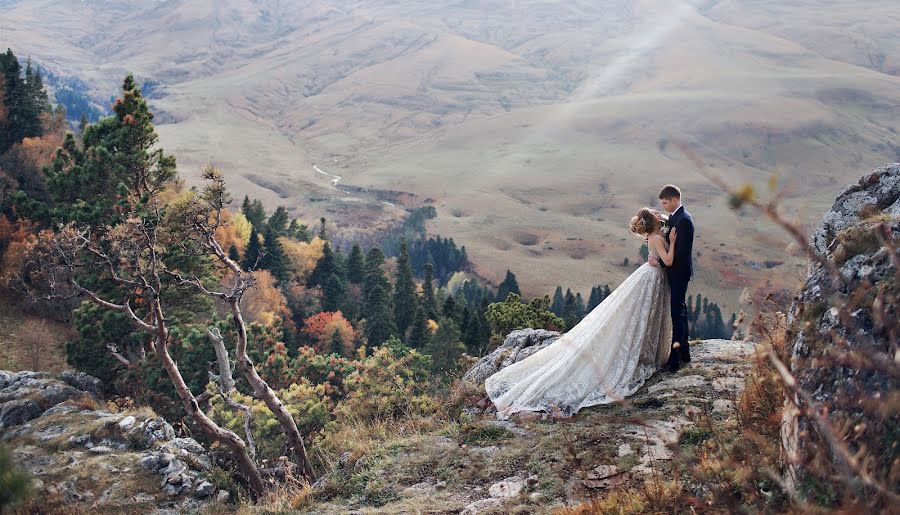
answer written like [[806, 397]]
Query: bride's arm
[[666, 255]]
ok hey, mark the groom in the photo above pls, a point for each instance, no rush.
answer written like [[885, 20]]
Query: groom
[[679, 274]]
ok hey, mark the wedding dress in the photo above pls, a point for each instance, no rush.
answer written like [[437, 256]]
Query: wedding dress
[[604, 358]]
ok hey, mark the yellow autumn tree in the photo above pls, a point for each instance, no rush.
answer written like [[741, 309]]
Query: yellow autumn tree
[[235, 230], [302, 256], [264, 301]]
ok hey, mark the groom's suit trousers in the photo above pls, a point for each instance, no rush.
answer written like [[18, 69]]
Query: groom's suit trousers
[[679, 288]]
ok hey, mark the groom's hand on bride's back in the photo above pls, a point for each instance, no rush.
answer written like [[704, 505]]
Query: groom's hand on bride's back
[[653, 261]]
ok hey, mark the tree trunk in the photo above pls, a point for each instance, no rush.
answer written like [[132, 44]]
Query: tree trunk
[[213, 430], [263, 392]]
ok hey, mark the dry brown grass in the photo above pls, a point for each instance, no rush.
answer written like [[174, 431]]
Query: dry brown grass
[[30, 342]]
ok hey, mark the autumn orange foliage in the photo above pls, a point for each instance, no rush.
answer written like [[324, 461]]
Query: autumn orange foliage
[[320, 330]]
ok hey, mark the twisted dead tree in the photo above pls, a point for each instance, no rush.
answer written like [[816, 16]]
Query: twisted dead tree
[[126, 261], [195, 223]]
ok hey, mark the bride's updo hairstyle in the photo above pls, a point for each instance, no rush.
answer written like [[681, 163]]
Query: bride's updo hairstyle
[[645, 222]]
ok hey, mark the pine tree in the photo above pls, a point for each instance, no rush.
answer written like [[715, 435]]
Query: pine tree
[[273, 259], [278, 222], [579, 306], [253, 252], [325, 267], [606, 293], [233, 253], [255, 213], [557, 306], [25, 101], [625, 262], [83, 123], [569, 309], [429, 302], [374, 274], [404, 291], [697, 305], [445, 347], [322, 234], [117, 165], [379, 318], [418, 335], [644, 252], [451, 309], [474, 337], [509, 285], [337, 343], [594, 299], [356, 265], [298, 231], [333, 293]]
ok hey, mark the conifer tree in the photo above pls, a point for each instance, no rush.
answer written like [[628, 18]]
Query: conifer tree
[[556, 307], [404, 291], [253, 252], [322, 233], [278, 221], [333, 293], [233, 253], [254, 212], [418, 335], [429, 302], [356, 265], [325, 267], [337, 343], [445, 347], [451, 309], [273, 259], [509, 285], [379, 318], [594, 300], [118, 157], [374, 274], [569, 309]]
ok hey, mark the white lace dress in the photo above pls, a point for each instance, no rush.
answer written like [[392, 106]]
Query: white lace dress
[[604, 358]]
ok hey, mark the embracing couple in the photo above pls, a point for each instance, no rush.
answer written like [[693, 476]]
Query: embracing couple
[[641, 327]]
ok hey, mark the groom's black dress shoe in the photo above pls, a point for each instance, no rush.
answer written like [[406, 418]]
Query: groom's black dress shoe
[[674, 363]]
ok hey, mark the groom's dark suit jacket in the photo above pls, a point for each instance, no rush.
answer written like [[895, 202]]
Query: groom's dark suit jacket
[[682, 268]]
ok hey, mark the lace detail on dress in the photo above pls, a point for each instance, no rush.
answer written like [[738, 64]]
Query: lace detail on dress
[[604, 358]]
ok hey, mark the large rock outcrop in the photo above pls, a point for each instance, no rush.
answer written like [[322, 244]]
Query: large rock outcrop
[[82, 456], [842, 344], [517, 346]]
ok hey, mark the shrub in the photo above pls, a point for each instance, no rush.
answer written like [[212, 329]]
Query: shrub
[[389, 383]]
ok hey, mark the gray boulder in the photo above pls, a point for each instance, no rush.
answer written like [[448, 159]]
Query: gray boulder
[[848, 305], [19, 411], [517, 346], [25, 395]]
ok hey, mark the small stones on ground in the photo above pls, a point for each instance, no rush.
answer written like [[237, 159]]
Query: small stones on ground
[[476, 507], [127, 422], [509, 487], [605, 476], [723, 406]]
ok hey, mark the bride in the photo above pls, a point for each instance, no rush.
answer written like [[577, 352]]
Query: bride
[[609, 354]]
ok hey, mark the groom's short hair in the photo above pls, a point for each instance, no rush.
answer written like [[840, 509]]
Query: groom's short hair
[[670, 191]]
